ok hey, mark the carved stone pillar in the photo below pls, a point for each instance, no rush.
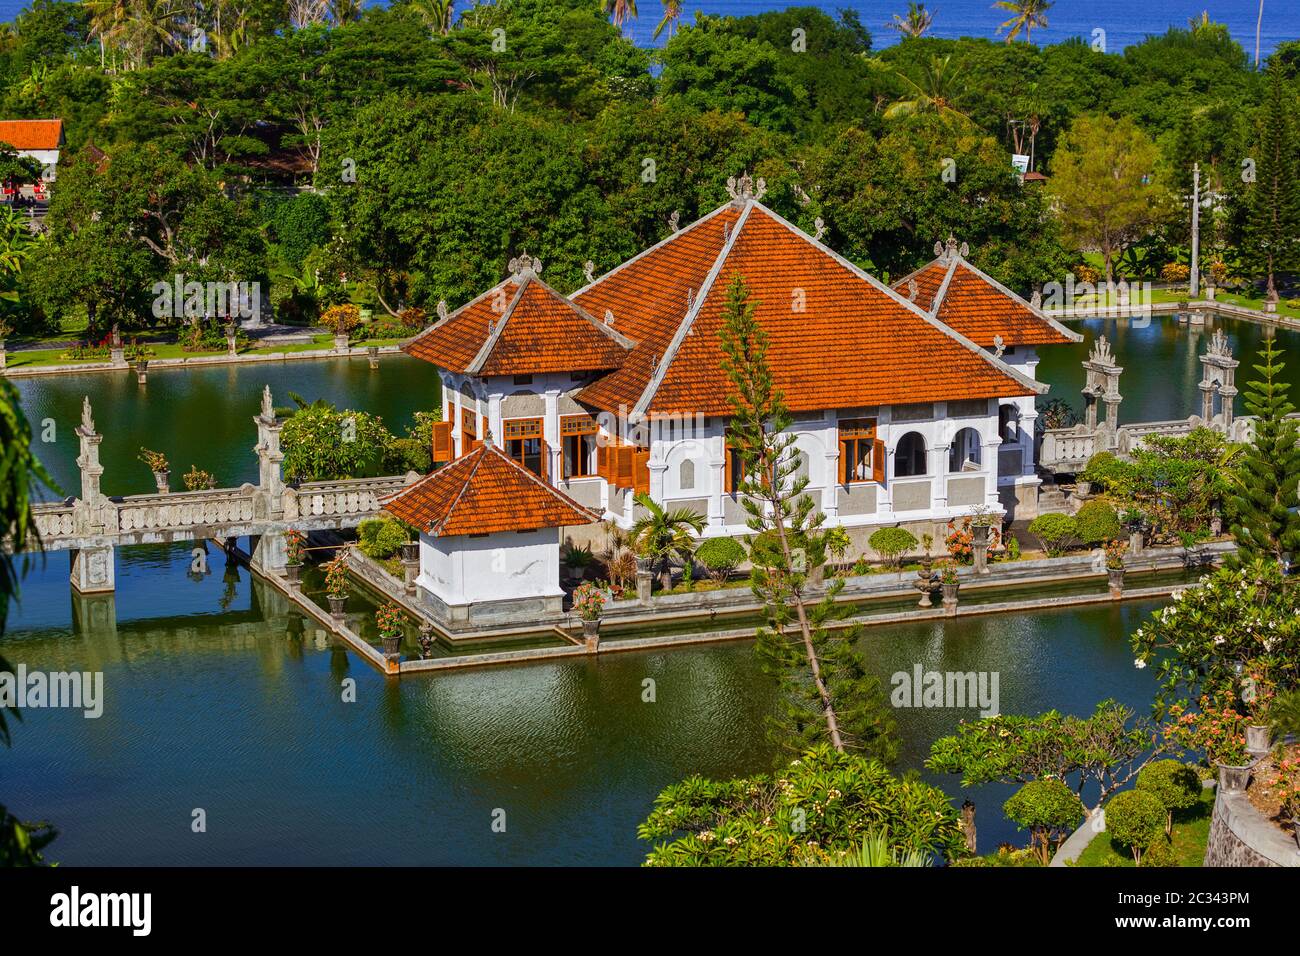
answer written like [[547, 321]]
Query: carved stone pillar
[[93, 570], [270, 480]]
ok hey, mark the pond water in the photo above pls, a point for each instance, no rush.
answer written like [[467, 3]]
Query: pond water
[[220, 697]]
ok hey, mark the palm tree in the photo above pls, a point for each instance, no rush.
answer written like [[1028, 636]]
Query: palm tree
[[659, 536], [618, 10], [672, 17], [438, 14], [1259, 22], [936, 91], [917, 21], [1028, 14]]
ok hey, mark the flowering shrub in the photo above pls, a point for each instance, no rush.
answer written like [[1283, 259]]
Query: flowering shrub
[[960, 541], [1175, 272], [336, 576], [1115, 554], [588, 601], [391, 620], [948, 573], [1217, 730], [1086, 274], [412, 318], [341, 319], [295, 545]]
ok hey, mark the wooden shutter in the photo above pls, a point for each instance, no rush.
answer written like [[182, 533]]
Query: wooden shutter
[[603, 458], [641, 471], [878, 461], [623, 466], [442, 441]]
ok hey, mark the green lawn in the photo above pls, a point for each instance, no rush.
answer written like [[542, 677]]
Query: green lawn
[[1191, 832], [41, 358]]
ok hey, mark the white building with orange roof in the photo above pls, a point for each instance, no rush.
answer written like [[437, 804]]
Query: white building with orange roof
[[902, 405]]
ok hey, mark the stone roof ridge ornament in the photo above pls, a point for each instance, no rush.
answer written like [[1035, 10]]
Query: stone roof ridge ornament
[[609, 317], [745, 187], [801, 195], [999, 346], [1219, 345], [819, 226], [1101, 353], [588, 271], [913, 290], [675, 220], [268, 408], [1036, 300], [442, 308], [87, 422], [524, 265], [488, 440]]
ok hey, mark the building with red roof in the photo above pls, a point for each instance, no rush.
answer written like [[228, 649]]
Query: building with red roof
[[40, 139], [912, 404]]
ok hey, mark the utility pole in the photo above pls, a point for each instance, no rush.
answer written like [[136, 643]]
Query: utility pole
[[1195, 281]]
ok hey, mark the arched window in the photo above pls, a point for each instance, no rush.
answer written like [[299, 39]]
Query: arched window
[[909, 456], [686, 475], [964, 455], [1009, 423]]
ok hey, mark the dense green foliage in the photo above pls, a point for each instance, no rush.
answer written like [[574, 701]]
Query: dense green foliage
[[1096, 522], [1055, 532], [1048, 809], [381, 537], [720, 556], [815, 810], [892, 543], [1136, 819], [1176, 785]]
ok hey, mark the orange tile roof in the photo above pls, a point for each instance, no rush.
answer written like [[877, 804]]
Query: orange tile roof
[[855, 343], [979, 307], [32, 134], [520, 327], [482, 492]]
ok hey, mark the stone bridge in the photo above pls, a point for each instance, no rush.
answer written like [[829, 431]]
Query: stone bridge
[[1067, 450], [92, 525]]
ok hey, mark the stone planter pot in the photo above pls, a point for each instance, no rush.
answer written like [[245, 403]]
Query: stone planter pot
[[950, 593], [1233, 779], [372, 353], [340, 343], [591, 633], [1257, 738], [336, 606], [1083, 488], [1115, 578], [410, 551], [392, 646], [293, 574], [162, 479]]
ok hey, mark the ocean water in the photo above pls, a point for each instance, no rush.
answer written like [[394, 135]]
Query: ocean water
[[1123, 22]]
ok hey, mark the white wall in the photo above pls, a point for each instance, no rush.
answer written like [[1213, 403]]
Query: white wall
[[503, 566]]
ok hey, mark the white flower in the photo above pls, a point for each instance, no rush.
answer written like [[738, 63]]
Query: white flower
[[1139, 663]]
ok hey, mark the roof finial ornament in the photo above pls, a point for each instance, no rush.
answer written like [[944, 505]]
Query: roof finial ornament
[[800, 195], [746, 187], [913, 290], [963, 250], [87, 422], [488, 440], [524, 265], [442, 308], [1101, 353], [1219, 345], [819, 224], [950, 249], [609, 316], [674, 220], [588, 271], [998, 346], [938, 250], [268, 409]]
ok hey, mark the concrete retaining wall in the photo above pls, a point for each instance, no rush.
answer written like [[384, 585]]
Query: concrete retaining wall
[[1241, 836]]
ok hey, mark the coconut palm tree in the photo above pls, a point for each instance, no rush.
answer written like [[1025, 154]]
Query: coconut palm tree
[[935, 91], [618, 10], [917, 21], [1028, 14], [672, 17], [438, 14], [661, 536]]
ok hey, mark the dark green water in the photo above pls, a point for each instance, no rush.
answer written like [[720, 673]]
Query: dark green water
[[1161, 364]]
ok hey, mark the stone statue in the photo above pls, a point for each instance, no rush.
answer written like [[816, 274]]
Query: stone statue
[[87, 423], [442, 308], [588, 271], [820, 225], [268, 409], [674, 220]]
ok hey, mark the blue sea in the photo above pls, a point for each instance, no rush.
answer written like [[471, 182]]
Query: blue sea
[[1125, 23]]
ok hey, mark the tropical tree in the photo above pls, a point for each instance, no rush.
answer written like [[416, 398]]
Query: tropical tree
[[917, 21], [618, 10], [438, 14], [1272, 206], [661, 536], [1026, 14], [936, 90], [671, 18]]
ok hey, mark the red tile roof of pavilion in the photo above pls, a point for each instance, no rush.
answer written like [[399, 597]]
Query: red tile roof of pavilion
[[483, 492], [32, 134], [855, 342], [520, 327], [979, 307]]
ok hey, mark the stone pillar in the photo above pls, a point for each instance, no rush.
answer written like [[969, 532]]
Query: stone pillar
[[1102, 386], [116, 351], [94, 614], [2, 354], [1219, 370], [141, 371], [372, 353], [270, 552], [831, 489], [93, 570], [269, 502], [231, 342], [644, 581], [981, 548]]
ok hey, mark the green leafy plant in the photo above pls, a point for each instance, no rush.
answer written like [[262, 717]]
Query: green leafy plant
[[391, 620], [1096, 522], [1176, 785], [336, 575], [1217, 729], [381, 538], [662, 536], [196, 479], [837, 542], [1114, 551], [892, 544], [155, 460], [720, 556], [1135, 819], [1057, 533], [1049, 810], [588, 601]]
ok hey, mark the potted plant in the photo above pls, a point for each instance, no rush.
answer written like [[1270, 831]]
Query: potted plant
[[1218, 731], [295, 546], [341, 320], [1258, 692], [157, 463], [949, 583], [1114, 551], [391, 621], [589, 601], [336, 584]]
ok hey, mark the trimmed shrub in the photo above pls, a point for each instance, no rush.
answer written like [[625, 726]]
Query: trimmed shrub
[[1174, 784], [892, 543], [1055, 532], [1106, 471], [1096, 522], [1136, 819], [381, 537], [1048, 809], [720, 556]]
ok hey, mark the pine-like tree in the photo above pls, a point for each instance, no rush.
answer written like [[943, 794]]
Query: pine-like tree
[[829, 695], [1271, 234], [1268, 472]]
